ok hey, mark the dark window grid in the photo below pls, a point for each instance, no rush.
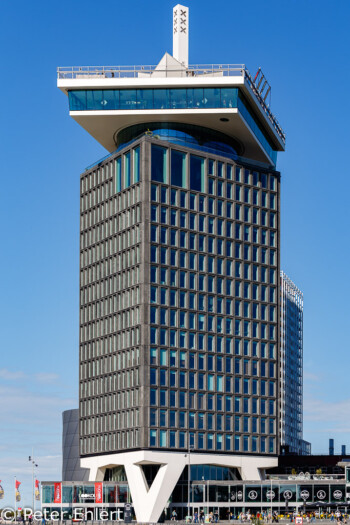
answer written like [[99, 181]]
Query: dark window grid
[[213, 312], [107, 316], [210, 332], [215, 198], [223, 256], [206, 271], [109, 260], [195, 370], [225, 163], [224, 181], [113, 235], [262, 394], [110, 295], [234, 167], [113, 238], [110, 200]]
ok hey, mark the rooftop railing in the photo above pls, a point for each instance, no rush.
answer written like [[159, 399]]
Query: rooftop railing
[[135, 71], [198, 70]]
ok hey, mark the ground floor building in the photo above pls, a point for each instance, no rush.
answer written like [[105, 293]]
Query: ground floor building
[[155, 483], [89, 499]]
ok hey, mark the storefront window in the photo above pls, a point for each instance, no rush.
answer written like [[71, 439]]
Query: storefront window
[[122, 493], [67, 494], [48, 493], [109, 494]]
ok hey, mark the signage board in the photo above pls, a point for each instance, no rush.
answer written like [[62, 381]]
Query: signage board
[[98, 493], [58, 493], [127, 513]]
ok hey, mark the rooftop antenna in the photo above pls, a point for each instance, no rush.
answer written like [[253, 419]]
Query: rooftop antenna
[[180, 33]]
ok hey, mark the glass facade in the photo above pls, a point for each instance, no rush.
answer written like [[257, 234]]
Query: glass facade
[[207, 494], [197, 137], [153, 98], [213, 312], [291, 366], [174, 98], [179, 275], [110, 258]]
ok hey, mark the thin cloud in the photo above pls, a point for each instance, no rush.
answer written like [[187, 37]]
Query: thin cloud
[[19, 375], [326, 411], [47, 378], [11, 376], [308, 376], [31, 418]]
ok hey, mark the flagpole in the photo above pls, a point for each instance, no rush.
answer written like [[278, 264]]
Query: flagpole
[[15, 501], [33, 478]]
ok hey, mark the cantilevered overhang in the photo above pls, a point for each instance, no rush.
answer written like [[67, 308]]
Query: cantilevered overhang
[[105, 124]]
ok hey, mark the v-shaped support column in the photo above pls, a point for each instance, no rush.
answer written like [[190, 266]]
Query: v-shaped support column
[[150, 502]]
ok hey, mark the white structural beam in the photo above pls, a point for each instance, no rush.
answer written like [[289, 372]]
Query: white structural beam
[[149, 502], [180, 33]]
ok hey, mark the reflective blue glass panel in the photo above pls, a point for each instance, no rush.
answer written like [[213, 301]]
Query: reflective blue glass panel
[[178, 169], [196, 173], [145, 99], [175, 98], [127, 99], [158, 171]]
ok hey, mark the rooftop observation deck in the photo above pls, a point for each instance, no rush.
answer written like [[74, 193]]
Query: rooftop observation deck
[[257, 85]]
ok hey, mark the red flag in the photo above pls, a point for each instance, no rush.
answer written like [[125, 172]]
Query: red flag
[[57, 493], [17, 484], [98, 493], [37, 484]]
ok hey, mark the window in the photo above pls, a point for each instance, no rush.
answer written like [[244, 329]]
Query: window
[[162, 418], [219, 441], [159, 157], [162, 398], [182, 437], [153, 397], [211, 167], [118, 174], [191, 420], [163, 214], [136, 154], [173, 214], [163, 295], [173, 398], [192, 201], [153, 356], [153, 417], [172, 438], [153, 438], [127, 170], [173, 196], [178, 168], [196, 173]]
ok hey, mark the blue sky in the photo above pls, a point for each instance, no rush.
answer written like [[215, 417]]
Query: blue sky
[[303, 49]]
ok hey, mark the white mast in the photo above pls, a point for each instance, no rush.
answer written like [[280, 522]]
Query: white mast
[[180, 33]]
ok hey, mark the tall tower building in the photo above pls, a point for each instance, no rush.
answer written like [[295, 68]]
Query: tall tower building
[[179, 271], [291, 368]]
